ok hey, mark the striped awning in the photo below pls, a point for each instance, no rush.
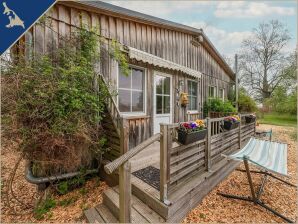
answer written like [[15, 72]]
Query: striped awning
[[160, 62], [271, 156]]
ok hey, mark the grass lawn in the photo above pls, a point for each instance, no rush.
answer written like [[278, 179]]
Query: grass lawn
[[279, 119]]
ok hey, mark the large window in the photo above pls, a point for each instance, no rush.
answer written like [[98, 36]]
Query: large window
[[131, 91], [212, 92], [221, 94], [192, 95]]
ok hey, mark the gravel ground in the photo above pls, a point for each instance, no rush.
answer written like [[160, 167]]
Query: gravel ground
[[279, 196], [214, 208]]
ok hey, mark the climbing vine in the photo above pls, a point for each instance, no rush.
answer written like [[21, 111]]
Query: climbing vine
[[55, 103]]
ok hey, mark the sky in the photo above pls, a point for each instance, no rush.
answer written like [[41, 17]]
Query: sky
[[226, 23]]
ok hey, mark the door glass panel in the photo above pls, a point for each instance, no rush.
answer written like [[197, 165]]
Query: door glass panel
[[167, 85], [124, 100], [159, 84], [193, 103], [137, 79], [159, 104], [137, 101], [166, 104]]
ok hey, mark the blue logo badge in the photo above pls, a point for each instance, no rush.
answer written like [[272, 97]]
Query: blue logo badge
[[17, 16]]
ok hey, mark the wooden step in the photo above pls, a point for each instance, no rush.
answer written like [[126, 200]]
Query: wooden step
[[108, 211]]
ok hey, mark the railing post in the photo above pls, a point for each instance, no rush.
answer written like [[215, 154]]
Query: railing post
[[164, 161], [208, 146], [125, 193], [239, 135], [124, 176], [124, 136]]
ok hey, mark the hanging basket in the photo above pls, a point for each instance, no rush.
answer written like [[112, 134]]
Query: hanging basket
[[186, 138]]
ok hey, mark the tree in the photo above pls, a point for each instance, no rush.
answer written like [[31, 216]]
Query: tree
[[245, 102], [262, 60]]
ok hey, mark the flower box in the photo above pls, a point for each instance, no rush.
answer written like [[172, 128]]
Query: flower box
[[192, 131], [250, 119], [187, 138], [229, 125]]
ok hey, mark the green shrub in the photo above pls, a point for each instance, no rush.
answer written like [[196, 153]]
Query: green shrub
[[245, 102], [218, 105]]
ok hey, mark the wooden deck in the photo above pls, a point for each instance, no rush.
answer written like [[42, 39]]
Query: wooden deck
[[187, 173]]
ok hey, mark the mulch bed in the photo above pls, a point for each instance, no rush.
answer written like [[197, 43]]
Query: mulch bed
[[149, 175]]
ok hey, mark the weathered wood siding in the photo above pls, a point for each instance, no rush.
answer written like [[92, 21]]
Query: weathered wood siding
[[163, 42]]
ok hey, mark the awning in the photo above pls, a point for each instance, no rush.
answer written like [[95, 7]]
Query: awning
[[271, 156], [160, 62]]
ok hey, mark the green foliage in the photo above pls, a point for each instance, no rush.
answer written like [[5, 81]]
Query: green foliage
[[283, 101], [67, 185], [68, 201], [44, 207], [55, 102], [278, 119], [245, 102], [118, 55], [218, 105]]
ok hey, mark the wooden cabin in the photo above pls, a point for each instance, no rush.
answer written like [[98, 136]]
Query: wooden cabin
[[174, 70]]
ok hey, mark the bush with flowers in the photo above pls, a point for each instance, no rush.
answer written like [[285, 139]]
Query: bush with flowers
[[233, 119], [192, 126]]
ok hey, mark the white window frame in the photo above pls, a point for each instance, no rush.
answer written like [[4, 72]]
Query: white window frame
[[128, 114], [223, 93], [215, 92], [197, 110]]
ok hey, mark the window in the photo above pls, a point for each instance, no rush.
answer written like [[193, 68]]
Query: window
[[192, 95], [212, 92], [131, 91], [163, 94], [221, 94]]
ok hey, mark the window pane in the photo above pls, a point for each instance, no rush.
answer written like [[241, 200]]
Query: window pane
[[159, 84], [124, 100], [167, 85], [124, 81], [158, 104], [194, 89], [166, 105], [137, 79], [193, 103], [137, 101]]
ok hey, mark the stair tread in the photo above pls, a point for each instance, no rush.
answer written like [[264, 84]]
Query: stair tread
[[105, 214], [93, 216], [140, 212]]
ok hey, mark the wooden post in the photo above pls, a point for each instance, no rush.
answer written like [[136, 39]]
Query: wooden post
[[125, 193], [236, 81], [124, 176], [163, 163], [208, 146], [239, 134], [124, 136]]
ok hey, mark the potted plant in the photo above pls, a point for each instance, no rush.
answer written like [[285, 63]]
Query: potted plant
[[250, 118], [231, 122], [189, 132]]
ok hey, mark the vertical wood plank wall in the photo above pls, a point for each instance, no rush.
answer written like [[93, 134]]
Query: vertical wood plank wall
[[169, 44]]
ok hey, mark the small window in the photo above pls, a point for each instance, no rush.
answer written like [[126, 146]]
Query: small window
[[192, 95], [131, 91], [221, 94], [212, 92]]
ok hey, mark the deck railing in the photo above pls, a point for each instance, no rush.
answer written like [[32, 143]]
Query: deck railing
[[178, 163]]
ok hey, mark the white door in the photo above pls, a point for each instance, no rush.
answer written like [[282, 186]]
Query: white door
[[162, 100]]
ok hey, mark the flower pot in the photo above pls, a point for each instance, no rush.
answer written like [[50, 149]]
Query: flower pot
[[250, 119], [229, 125], [188, 138]]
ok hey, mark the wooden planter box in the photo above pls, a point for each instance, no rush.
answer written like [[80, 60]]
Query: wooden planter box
[[250, 119], [229, 125], [188, 138]]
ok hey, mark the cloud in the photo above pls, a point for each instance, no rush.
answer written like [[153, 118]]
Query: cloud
[[250, 9], [224, 41], [163, 9]]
